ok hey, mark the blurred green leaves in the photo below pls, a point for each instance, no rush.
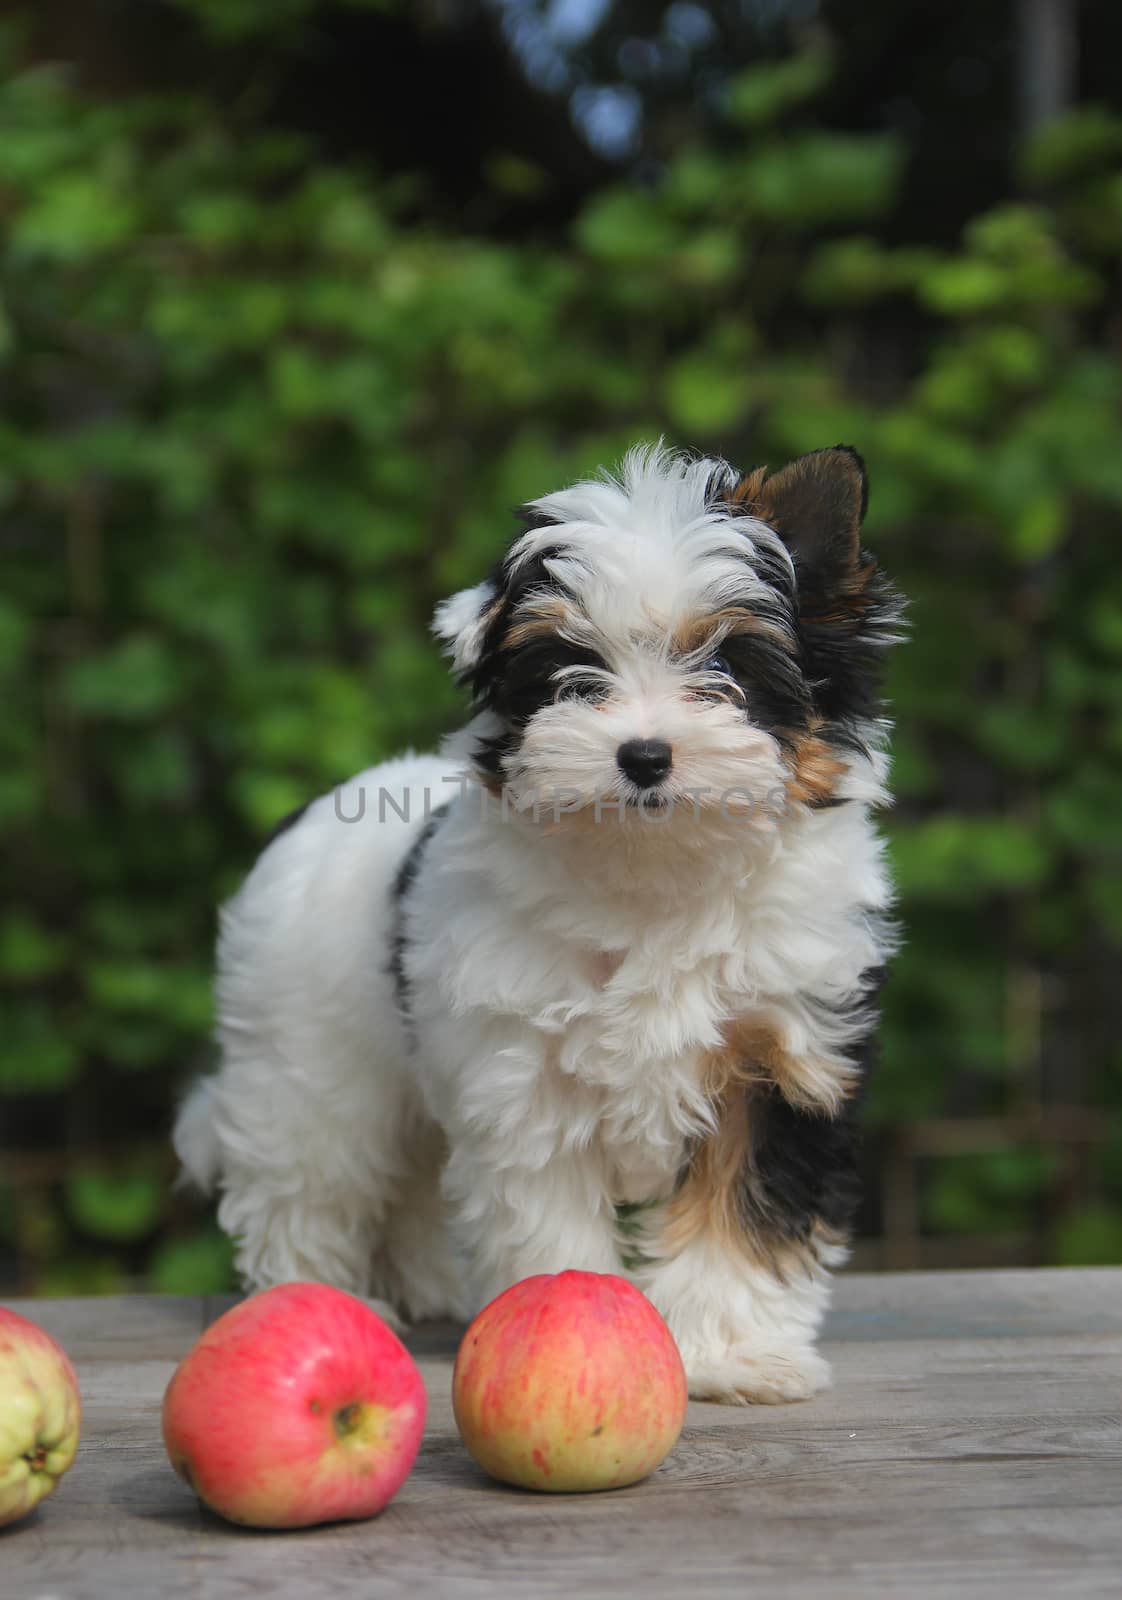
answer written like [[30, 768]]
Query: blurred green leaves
[[819, 179], [991, 1192], [196, 1261], [967, 859], [242, 19], [759, 96], [116, 1203], [1084, 144]]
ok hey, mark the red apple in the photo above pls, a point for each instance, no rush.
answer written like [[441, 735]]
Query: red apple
[[40, 1414], [569, 1381], [297, 1406]]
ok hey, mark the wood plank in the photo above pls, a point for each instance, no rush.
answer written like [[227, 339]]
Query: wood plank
[[972, 1445], [897, 1305], [976, 1304]]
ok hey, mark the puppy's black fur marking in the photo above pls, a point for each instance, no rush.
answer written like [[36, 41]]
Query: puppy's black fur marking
[[802, 1173], [529, 679], [516, 682], [776, 695], [844, 648], [779, 576], [511, 586], [403, 882], [530, 577], [490, 754], [285, 823]]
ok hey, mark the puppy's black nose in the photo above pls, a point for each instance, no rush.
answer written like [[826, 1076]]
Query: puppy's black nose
[[645, 761]]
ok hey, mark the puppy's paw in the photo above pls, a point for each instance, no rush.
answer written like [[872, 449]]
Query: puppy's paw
[[746, 1374]]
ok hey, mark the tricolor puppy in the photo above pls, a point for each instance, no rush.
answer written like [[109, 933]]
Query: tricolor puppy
[[596, 987]]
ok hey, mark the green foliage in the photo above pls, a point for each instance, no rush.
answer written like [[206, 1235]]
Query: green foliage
[[1090, 1237], [120, 1204], [259, 417], [199, 1261], [245, 19], [993, 1192], [760, 95]]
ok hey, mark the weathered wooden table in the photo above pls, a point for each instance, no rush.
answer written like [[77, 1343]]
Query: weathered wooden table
[[972, 1446]]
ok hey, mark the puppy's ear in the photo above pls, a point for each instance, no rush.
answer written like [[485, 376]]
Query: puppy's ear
[[816, 505], [849, 614], [461, 623]]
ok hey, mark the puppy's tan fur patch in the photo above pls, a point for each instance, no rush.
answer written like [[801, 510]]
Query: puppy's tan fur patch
[[815, 771], [540, 618], [748, 494], [757, 1052], [708, 628], [720, 1194]]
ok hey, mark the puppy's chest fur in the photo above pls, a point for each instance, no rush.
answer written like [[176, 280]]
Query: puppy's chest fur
[[628, 1035], [628, 1006], [634, 1051]]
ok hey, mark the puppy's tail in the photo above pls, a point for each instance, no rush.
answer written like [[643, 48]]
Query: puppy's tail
[[195, 1138]]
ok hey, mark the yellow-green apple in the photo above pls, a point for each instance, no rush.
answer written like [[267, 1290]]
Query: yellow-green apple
[[569, 1381], [40, 1415], [297, 1406]]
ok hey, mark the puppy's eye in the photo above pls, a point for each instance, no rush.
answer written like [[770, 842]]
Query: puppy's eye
[[717, 663], [579, 688]]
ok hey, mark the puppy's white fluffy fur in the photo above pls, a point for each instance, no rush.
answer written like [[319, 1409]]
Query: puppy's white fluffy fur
[[566, 974]]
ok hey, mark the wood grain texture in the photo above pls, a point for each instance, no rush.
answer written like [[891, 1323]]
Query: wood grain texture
[[972, 1445]]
